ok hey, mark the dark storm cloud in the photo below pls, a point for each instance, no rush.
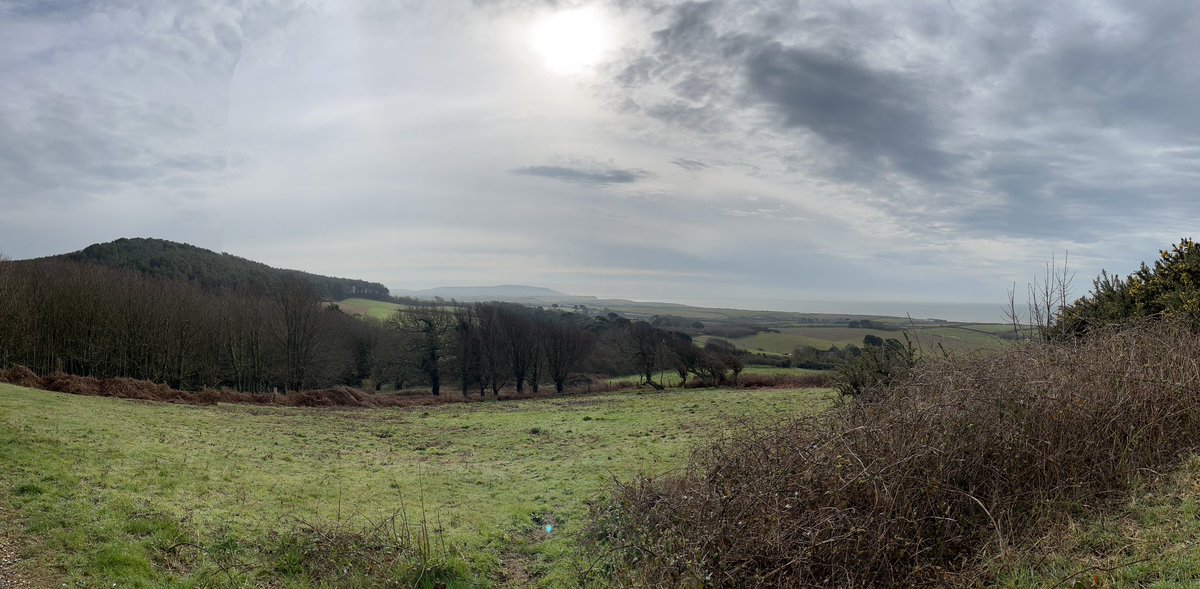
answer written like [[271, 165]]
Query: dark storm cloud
[[1008, 118], [874, 115], [55, 8], [716, 61], [584, 175], [690, 165]]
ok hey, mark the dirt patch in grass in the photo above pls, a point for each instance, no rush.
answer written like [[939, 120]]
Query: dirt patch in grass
[[517, 563], [14, 572]]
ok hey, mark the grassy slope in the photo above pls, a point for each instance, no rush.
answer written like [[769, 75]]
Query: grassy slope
[[376, 309], [106, 485]]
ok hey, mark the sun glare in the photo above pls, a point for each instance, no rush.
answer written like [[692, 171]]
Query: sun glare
[[571, 41]]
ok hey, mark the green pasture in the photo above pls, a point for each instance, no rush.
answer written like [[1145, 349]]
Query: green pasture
[[964, 338], [670, 378], [159, 495], [368, 308]]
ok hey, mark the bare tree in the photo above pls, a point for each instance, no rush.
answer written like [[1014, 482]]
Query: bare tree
[[520, 341], [184, 324], [566, 342], [467, 347], [725, 353], [538, 354], [432, 324], [8, 302], [389, 358], [242, 324], [644, 345], [1047, 297], [493, 364], [298, 330]]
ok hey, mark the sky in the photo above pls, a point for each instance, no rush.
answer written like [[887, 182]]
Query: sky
[[701, 152]]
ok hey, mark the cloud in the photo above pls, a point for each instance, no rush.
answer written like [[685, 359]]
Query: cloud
[[62, 150], [690, 165], [711, 65], [876, 116], [120, 98], [1025, 120], [55, 8], [594, 175]]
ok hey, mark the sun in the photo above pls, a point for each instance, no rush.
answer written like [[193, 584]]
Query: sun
[[571, 41]]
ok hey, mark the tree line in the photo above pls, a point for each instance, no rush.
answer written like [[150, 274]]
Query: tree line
[[87, 320], [487, 347]]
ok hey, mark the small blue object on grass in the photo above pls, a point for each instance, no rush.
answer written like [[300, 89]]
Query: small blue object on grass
[[549, 529]]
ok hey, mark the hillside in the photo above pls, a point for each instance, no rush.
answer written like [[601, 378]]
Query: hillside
[[211, 270]]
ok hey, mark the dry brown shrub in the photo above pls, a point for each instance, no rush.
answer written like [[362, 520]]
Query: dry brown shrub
[[21, 376], [917, 483], [207, 396], [339, 396], [75, 385]]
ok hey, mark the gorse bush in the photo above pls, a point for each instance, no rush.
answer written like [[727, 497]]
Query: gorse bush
[[1171, 287], [875, 366], [956, 462]]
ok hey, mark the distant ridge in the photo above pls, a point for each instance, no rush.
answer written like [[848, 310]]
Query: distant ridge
[[500, 291], [211, 270]]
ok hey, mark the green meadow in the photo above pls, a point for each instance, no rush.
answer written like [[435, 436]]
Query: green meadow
[[670, 378], [954, 337], [368, 308], [161, 495]]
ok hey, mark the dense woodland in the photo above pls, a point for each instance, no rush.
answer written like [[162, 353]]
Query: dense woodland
[[211, 270], [91, 320]]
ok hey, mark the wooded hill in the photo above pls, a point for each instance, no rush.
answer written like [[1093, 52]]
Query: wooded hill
[[211, 270]]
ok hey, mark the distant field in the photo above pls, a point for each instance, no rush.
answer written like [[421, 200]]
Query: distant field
[[956, 338], [642, 311], [951, 336], [671, 378], [158, 495], [369, 308]]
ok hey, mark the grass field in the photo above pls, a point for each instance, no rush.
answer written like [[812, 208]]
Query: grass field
[[669, 378], [368, 308], [158, 495], [965, 338]]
